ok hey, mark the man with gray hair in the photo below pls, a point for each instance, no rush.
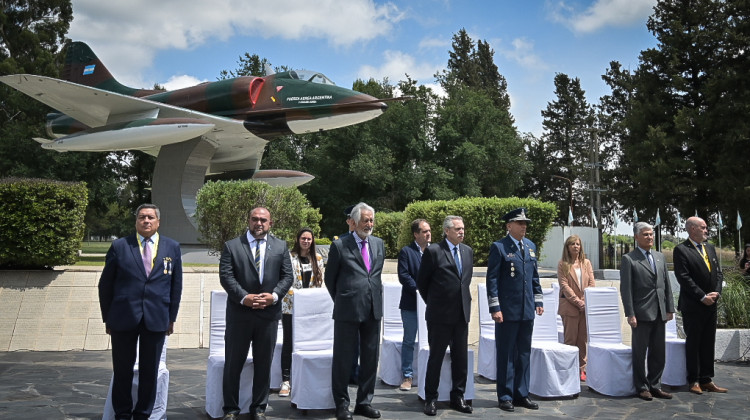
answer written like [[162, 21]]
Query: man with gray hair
[[647, 300], [443, 281], [352, 277]]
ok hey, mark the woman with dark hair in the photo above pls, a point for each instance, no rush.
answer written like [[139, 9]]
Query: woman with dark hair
[[575, 274], [745, 261], [307, 266]]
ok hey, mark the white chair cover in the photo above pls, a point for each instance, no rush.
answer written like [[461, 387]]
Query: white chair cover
[[558, 318], [393, 334], [554, 366], [312, 356], [215, 364], [446, 381], [609, 369], [487, 358], [162, 389], [675, 371]]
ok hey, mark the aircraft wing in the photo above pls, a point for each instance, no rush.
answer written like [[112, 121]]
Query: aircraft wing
[[237, 148]]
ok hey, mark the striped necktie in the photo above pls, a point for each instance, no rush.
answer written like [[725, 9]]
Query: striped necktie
[[257, 255]]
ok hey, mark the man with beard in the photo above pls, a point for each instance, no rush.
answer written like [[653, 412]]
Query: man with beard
[[355, 263]]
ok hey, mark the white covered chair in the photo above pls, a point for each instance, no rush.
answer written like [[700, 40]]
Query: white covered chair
[[609, 369], [162, 389], [393, 335], [446, 381], [675, 371], [487, 358], [554, 366], [312, 355], [215, 364]]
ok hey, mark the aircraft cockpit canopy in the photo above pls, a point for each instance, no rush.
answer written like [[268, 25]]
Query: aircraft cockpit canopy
[[310, 76]]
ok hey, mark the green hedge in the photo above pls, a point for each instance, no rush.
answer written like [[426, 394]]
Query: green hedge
[[387, 227], [223, 207], [482, 218], [735, 300], [41, 222]]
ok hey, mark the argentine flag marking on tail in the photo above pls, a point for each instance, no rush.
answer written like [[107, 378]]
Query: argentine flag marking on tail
[[89, 69]]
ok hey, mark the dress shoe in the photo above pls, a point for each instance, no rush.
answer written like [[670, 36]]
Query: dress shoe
[[658, 393], [645, 395], [367, 411], [459, 404], [695, 388], [230, 416], [430, 407], [258, 415], [711, 387], [507, 406], [406, 384], [342, 413], [526, 402]]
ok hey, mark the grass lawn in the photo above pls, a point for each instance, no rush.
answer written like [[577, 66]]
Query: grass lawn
[[99, 249]]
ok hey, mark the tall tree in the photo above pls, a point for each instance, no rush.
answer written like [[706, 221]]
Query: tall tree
[[569, 142]]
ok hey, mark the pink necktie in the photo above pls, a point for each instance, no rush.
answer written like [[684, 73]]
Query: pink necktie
[[365, 255], [147, 256]]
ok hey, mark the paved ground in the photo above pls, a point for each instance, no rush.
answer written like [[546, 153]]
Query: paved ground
[[74, 384]]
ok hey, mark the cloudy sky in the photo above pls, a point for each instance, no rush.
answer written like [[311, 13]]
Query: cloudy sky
[[179, 43]]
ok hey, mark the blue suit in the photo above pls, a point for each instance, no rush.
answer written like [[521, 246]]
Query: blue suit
[[513, 288], [138, 307]]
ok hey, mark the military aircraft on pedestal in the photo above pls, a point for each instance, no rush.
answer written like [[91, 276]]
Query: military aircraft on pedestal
[[215, 130]]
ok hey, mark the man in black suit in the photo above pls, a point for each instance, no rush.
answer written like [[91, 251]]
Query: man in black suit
[[139, 295], [355, 263], [443, 281], [409, 260], [647, 300], [699, 274], [255, 269]]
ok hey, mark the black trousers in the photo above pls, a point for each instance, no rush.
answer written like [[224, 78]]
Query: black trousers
[[124, 345], [286, 347], [700, 331], [244, 329], [440, 336], [345, 339]]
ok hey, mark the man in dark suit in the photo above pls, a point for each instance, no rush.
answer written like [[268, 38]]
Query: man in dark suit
[[255, 269], [443, 281], [647, 300], [409, 260], [355, 263], [139, 295], [514, 294], [699, 274]]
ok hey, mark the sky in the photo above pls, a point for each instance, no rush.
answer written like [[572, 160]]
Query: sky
[[180, 43]]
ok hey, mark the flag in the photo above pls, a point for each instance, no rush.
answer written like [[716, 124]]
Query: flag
[[635, 216], [721, 224], [739, 221], [696, 212], [593, 218], [658, 219], [615, 220], [679, 220], [570, 216]]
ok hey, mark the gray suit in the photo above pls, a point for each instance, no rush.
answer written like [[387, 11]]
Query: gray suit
[[244, 325], [358, 308], [647, 295]]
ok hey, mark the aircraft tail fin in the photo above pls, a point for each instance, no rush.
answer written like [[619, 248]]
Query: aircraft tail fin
[[82, 66]]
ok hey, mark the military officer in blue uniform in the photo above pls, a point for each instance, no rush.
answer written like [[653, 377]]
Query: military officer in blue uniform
[[514, 295]]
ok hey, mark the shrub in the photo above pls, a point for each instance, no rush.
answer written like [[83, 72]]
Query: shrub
[[41, 222], [387, 226], [223, 207], [482, 218], [735, 301]]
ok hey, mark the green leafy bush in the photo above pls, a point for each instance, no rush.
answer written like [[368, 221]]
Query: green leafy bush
[[387, 227], [482, 218], [735, 301], [41, 222], [223, 207]]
